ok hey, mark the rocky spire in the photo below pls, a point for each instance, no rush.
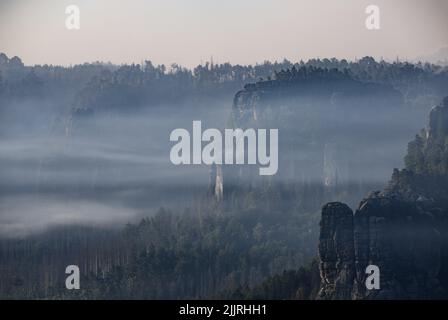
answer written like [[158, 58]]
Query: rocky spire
[[402, 230]]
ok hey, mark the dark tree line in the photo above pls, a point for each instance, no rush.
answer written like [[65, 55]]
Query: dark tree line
[[92, 85]]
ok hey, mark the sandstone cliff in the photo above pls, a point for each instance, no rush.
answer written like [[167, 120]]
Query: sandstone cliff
[[403, 230], [316, 111]]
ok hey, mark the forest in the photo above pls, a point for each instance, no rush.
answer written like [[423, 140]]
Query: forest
[[85, 175]]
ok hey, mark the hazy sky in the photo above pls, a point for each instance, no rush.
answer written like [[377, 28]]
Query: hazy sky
[[236, 31]]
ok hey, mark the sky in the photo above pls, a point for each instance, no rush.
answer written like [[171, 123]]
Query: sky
[[189, 32]]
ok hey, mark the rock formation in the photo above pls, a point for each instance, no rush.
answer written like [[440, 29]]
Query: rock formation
[[336, 251], [216, 182], [403, 230], [313, 109]]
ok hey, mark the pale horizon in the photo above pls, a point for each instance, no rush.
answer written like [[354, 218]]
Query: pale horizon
[[239, 32]]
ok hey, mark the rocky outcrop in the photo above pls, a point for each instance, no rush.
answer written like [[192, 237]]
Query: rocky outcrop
[[216, 182], [400, 238], [402, 230], [336, 251], [438, 122], [313, 109]]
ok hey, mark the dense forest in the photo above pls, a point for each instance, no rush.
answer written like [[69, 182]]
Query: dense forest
[[104, 85], [260, 242], [210, 255]]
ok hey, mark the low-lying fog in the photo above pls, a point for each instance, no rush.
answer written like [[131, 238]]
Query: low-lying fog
[[113, 168]]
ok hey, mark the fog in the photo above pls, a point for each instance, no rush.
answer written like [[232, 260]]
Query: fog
[[90, 144], [115, 168], [110, 169]]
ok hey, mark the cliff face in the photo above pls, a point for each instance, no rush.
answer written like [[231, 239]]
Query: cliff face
[[316, 111], [403, 230], [336, 249]]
